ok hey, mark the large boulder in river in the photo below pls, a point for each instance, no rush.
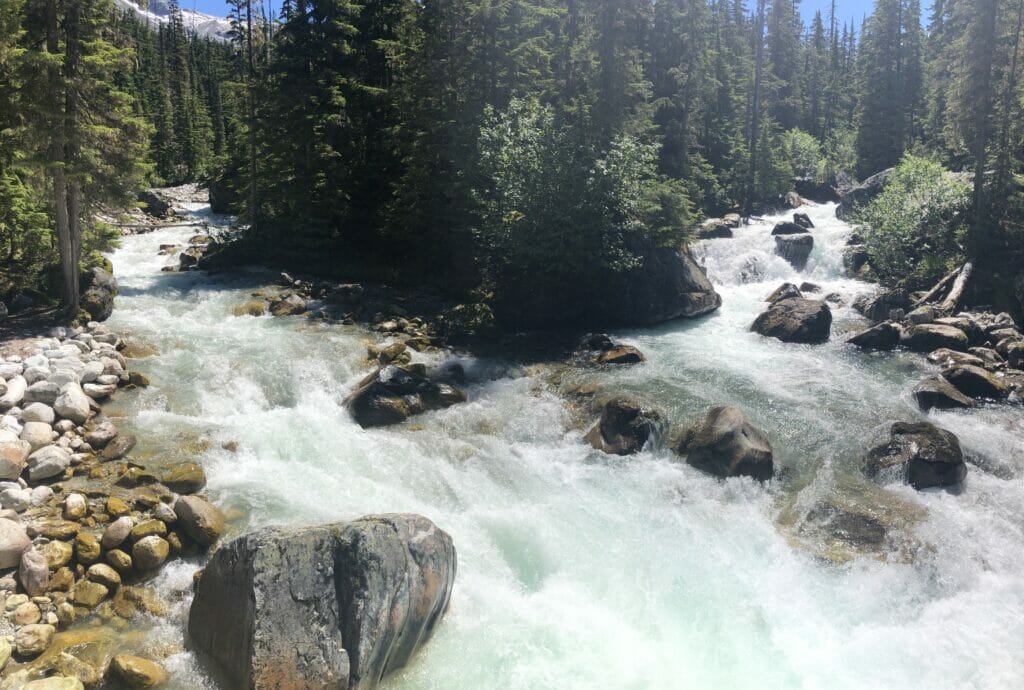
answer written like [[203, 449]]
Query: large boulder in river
[[99, 294], [788, 228], [334, 606], [881, 305], [796, 320], [725, 444], [392, 394], [223, 196], [976, 382], [884, 336], [921, 453], [625, 427], [863, 193], [938, 393], [795, 249], [154, 204], [927, 337]]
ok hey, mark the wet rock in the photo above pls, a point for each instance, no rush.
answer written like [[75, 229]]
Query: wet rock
[[185, 478], [923, 315], [105, 575], [56, 553], [137, 673], [784, 291], [189, 259], [150, 552], [13, 542], [119, 447], [884, 336], [354, 600], [116, 507], [622, 354], [787, 228], [73, 668], [148, 528], [795, 249], [89, 594], [796, 320], [625, 427], [803, 220], [726, 444], [120, 561], [73, 404], [945, 357], [32, 640], [75, 507], [1015, 354], [54, 683], [98, 298], [203, 522], [87, 548], [130, 602], [929, 337], [921, 453], [975, 382], [986, 357], [98, 391], [393, 394], [47, 462], [714, 229], [116, 532]]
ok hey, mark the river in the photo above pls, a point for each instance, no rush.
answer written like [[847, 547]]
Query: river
[[580, 570]]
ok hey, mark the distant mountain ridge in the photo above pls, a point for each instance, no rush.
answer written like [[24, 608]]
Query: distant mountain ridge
[[198, 23]]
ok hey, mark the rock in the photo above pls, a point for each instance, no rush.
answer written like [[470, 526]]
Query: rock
[[13, 456], [32, 640], [392, 394], [89, 594], [856, 260], [787, 228], [803, 220], [938, 393], [975, 382], [98, 298], [87, 547], [924, 454], [150, 552], [75, 507], [13, 542], [130, 602], [862, 194], [923, 315], [881, 305], [884, 336], [793, 200], [148, 528], [202, 521], [15, 393], [929, 337], [795, 249], [27, 614], [154, 205], [38, 412], [784, 291], [1015, 354], [47, 462], [625, 428], [622, 354], [56, 553], [223, 197], [33, 573], [98, 391], [105, 575], [945, 357], [120, 561], [99, 437], [116, 532], [189, 259], [796, 320], [37, 434], [725, 444], [119, 447], [986, 357], [714, 229], [45, 392], [74, 669], [73, 404], [54, 683], [185, 478], [354, 600], [137, 673]]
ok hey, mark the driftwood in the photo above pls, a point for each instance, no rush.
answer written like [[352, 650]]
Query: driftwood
[[161, 226], [939, 288], [956, 295]]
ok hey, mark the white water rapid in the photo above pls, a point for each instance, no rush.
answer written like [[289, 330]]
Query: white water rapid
[[581, 570]]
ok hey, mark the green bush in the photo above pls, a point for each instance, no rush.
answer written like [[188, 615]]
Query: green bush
[[803, 153], [914, 228]]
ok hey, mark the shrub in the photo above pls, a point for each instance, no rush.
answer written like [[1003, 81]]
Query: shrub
[[803, 153]]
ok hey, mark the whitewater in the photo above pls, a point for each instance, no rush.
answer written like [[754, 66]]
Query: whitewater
[[582, 570]]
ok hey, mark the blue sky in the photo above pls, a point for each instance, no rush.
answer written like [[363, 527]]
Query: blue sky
[[846, 9]]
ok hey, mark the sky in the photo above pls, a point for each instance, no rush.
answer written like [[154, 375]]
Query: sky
[[845, 9]]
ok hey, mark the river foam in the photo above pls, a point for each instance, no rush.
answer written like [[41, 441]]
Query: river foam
[[579, 570]]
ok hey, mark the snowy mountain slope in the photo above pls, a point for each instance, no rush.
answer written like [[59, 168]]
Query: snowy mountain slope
[[159, 12]]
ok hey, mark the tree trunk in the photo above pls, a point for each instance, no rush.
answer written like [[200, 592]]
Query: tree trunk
[[755, 118], [252, 113], [58, 163], [956, 295]]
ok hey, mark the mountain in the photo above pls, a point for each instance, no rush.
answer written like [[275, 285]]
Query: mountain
[[159, 11]]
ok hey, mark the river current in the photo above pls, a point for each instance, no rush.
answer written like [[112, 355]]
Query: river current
[[581, 570]]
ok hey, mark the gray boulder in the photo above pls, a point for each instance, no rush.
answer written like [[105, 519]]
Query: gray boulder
[[862, 193], [796, 320], [788, 228], [334, 606], [938, 393], [784, 291], [921, 453], [881, 305], [976, 382], [98, 298], [929, 337], [392, 394], [73, 404], [795, 249], [13, 542], [154, 204], [49, 461], [725, 444], [884, 336], [625, 427]]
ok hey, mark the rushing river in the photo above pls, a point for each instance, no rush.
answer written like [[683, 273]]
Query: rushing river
[[580, 570]]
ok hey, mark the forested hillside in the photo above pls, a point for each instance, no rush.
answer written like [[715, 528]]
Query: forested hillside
[[513, 146]]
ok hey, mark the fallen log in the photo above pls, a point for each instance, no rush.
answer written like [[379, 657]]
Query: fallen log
[[939, 288], [956, 294]]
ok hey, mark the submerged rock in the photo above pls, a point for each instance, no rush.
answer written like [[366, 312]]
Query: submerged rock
[[925, 455], [625, 427], [725, 444], [393, 394], [796, 320], [137, 673], [621, 354], [335, 606]]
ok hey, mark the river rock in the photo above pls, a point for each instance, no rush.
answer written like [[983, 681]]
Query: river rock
[[54, 683], [853, 198], [185, 478], [45, 392], [881, 305], [1015, 354], [803, 220], [725, 444], [73, 404], [75, 507], [975, 382], [37, 434], [33, 573], [945, 357], [137, 673], [32, 640], [116, 532], [202, 521], [104, 575], [393, 394], [784, 291], [929, 337], [15, 394], [57, 554], [788, 228], [884, 336], [49, 461], [13, 456], [621, 354], [796, 320], [119, 447], [100, 436], [354, 601], [87, 548], [13, 543], [925, 455], [795, 249], [150, 552], [38, 412], [937, 392], [625, 427], [714, 229], [89, 594], [154, 204], [100, 291]]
